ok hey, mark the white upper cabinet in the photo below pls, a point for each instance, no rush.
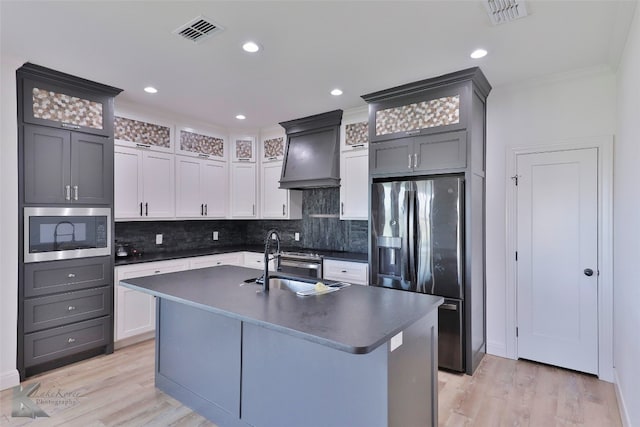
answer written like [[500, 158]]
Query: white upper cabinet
[[354, 185], [201, 144], [277, 203], [243, 149], [201, 188], [138, 132], [272, 148], [243, 191], [143, 184]]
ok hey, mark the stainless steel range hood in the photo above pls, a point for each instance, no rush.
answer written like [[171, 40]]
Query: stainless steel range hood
[[312, 156]]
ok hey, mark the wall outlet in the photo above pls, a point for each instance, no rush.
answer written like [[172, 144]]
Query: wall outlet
[[215, 235], [158, 239], [296, 237]]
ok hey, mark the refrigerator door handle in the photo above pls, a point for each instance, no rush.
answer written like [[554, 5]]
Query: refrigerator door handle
[[404, 226], [412, 239]]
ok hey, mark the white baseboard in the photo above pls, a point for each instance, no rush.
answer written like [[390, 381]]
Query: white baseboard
[[496, 348], [624, 414], [9, 379]]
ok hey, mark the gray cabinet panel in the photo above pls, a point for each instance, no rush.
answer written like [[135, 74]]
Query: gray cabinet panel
[[91, 169], [40, 347], [46, 164], [441, 151], [201, 351], [50, 311], [45, 278], [391, 157]]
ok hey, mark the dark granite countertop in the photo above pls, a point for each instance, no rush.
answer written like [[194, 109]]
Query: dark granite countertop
[[355, 319], [169, 255]]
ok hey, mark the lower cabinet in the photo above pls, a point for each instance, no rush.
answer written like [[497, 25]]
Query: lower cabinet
[[233, 258], [135, 312], [256, 260], [356, 273]]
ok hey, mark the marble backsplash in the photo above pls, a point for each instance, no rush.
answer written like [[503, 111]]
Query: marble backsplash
[[320, 228]]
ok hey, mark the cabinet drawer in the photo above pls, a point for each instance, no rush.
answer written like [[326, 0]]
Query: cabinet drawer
[[235, 258], [55, 343], [151, 268], [56, 310], [50, 277], [345, 271]]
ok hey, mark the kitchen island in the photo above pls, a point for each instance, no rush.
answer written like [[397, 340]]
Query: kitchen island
[[361, 356]]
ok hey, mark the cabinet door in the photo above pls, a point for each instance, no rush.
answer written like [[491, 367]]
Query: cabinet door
[[441, 151], [47, 157], [214, 188], [189, 202], [127, 183], [158, 192], [243, 190], [391, 157], [66, 107], [354, 185], [91, 169], [274, 199]]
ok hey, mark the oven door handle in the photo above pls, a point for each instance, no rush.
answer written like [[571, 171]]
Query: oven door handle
[[289, 263]]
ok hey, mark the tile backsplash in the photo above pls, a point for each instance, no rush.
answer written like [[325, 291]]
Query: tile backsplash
[[320, 228]]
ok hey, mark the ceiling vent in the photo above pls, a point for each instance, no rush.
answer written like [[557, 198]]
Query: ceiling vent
[[198, 29], [501, 11]]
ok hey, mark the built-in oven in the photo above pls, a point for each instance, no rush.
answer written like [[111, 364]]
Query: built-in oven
[[301, 264], [52, 233]]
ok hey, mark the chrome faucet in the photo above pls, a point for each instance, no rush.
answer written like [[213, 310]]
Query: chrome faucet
[[267, 247]]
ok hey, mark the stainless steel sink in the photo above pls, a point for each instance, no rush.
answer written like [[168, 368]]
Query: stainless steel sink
[[302, 287]]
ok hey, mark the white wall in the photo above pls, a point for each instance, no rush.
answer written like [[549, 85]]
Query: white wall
[[626, 320], [8, 222], [548, 111]]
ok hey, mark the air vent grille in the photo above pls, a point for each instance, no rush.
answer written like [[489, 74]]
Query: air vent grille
[[198, 29], [502, 11]]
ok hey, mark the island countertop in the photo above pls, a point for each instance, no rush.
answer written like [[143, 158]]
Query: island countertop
[[355, 319]]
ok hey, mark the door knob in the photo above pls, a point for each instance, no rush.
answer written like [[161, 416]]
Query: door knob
[[588, 272]]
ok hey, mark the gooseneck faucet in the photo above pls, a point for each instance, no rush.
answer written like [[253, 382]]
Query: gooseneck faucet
[[268, 240]]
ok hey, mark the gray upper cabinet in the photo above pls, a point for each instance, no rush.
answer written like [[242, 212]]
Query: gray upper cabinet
[[67, 167], [420, 154], [66, 107]]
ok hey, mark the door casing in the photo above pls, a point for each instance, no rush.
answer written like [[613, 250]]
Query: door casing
[[604, 145]]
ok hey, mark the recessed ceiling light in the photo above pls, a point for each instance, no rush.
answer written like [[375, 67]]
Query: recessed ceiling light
[[150, 89], [478, 53], [336, 92], [240, 117], [251, 47]]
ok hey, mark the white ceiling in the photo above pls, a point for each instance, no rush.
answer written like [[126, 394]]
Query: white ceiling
[[309, 48]]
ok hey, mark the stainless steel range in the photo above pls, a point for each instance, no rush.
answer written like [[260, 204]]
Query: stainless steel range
[[306, 264]]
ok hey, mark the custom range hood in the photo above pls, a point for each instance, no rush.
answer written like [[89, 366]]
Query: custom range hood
[[312, 156]]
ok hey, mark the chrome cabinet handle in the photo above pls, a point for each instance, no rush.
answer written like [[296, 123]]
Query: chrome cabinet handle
[[409, 166], [71, 340], [342, 207], [283, 210], [415, 160], [71, 275], [143, 145], [71, 308], [67, 192], [206, 210], [70, 126], [75, 192]]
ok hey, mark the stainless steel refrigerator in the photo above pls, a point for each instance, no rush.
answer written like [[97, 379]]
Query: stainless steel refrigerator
[[417, 244]]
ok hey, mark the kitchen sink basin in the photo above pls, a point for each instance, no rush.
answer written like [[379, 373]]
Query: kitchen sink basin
[[302, 287]]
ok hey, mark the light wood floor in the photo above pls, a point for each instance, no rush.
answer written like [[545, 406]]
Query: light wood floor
[[118, 390]]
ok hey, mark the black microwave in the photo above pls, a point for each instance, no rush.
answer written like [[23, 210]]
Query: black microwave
[[65, 233]]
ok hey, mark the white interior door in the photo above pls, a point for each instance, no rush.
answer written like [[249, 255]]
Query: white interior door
[[557, 246]]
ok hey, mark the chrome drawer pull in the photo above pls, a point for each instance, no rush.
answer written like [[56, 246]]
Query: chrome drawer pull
[[71, 340], [71, 308], [75, 192], [67, 189], [71, 275]]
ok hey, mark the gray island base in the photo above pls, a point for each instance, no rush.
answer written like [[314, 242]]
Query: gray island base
[[362, 356]]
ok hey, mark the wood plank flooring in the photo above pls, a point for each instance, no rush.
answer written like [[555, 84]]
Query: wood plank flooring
[[118, 390]]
